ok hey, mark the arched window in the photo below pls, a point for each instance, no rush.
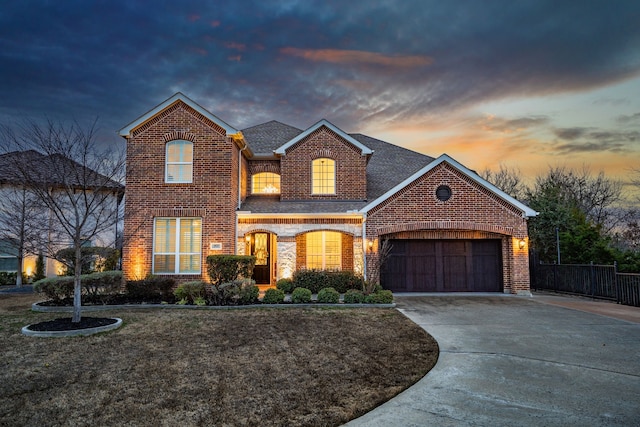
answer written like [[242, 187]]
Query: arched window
[[265, 183], [323, 177], [179, 162], [324, 250]]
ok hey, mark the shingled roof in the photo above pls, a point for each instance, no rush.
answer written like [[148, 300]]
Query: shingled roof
[[53, 170], [389, 165]]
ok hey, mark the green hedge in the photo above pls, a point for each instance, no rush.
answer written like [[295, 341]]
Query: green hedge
[[227, 268], [380, 297], [237, 292], [315, 280], [96, 287], [153, 288], [7, 278], [189, 292], [354, 296], [286, 285]]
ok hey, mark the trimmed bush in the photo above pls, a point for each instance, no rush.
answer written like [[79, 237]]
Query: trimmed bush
[[315, 280], [273, 296], [301, 296], [94, 258], [55, 288], [380, 297], [286, 285], [329, 296], [7, 278], [353, 296], [238, 292], [153, 288], [190, 291], [227, 268], [96, 287]]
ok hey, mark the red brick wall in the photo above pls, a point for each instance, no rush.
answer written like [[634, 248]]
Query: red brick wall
[[212, 195], [471, 208], [351, 180]]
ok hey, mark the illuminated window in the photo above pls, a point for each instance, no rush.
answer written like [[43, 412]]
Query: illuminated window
[[265, 183], [323, 172], [177, 245], [324, 250], [179, 162]]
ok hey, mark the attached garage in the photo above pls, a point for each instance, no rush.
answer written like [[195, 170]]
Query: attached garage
[[430, 265]]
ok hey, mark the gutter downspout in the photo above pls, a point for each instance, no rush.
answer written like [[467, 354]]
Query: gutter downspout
[[364, 245]]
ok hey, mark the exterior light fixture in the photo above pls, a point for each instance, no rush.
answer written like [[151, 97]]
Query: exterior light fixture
[[370, 245], [522, 243], [248, 238]]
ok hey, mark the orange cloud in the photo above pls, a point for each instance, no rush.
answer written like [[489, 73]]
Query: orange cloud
[[357, 57]]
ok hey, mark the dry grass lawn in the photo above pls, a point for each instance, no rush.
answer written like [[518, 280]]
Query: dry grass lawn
[[249, 367]]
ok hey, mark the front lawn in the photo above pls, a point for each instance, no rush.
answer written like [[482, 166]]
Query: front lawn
[[250, 367]]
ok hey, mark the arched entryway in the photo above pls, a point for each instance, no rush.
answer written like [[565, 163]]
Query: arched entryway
[[262, 245]]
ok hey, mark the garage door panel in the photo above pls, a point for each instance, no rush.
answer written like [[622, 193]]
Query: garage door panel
[[444, 266]]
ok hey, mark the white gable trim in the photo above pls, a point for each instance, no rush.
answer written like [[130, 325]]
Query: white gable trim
[[364, 150], [126, 131], [526, 211]]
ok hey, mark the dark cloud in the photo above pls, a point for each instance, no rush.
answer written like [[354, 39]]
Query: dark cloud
[[298, 61], [583, 140], [519, 124], [626, 119]]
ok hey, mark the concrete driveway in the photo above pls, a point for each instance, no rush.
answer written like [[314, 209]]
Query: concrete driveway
[[516, 361]]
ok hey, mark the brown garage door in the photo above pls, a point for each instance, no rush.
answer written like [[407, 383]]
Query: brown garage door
[[443, 266]]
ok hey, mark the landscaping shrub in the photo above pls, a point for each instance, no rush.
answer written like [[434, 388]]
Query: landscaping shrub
[[190, 291], [7, 278], [227, 268], [238, 292], [55, 288], [153, 288], [94, 258], [315, 280], [342, 281], [99, 287], [286, 285], [273, 296], [354, 296], [380, 297], [301, 296], [39, 273], [328, 296]]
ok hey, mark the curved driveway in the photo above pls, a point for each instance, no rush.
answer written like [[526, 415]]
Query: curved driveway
[[514, 361]]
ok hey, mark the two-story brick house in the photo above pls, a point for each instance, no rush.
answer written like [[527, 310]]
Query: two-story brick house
[[316, 198]]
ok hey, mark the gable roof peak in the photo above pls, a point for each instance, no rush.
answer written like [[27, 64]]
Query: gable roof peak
[[178, 96], [364, 150]]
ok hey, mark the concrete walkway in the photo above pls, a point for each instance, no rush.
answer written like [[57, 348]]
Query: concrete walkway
[[520, 361]]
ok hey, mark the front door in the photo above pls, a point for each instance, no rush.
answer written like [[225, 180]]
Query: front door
[[260, 248]]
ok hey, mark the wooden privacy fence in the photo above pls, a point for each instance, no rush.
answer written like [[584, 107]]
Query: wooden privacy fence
[[596, 281]]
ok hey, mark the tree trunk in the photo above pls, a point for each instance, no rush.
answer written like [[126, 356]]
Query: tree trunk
[[77, 287], [20, 266]]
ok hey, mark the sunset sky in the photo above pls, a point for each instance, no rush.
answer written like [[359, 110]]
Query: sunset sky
[[524, 83]]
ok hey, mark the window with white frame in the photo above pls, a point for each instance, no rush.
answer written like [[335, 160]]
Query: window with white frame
[[177, 245], [179, 162], [323, 177], [8, 256], [265, 183], [324, 250]]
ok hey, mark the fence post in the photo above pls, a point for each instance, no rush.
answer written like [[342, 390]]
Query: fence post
[[615, 281], [592, 279]]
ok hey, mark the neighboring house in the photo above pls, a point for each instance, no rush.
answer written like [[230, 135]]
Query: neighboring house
[[318, 198], [25, 221]]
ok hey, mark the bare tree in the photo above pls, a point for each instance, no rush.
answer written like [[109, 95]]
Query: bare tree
[[79, 184], [506, 179], [375, 261], [20, 221]]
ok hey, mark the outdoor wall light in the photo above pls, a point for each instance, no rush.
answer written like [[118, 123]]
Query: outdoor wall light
[[522, 243], [248, 238], [370, 245]]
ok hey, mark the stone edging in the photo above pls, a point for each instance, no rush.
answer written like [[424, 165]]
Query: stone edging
[[89, 308], [73, 333]]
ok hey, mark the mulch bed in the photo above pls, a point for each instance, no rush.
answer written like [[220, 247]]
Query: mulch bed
[[65, 324]]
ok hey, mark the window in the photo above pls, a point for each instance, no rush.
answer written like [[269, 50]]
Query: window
[[323, 172], [265, 183], [8, 256], [177, 245], [179, 162], [324, 250]]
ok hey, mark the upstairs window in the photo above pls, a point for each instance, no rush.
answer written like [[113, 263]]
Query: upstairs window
[[323, 177], [179, 162], [265, 183]]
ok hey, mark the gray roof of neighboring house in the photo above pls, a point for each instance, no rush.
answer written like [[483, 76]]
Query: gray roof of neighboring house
[[388, 166], [55, 169], [265, 138]]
